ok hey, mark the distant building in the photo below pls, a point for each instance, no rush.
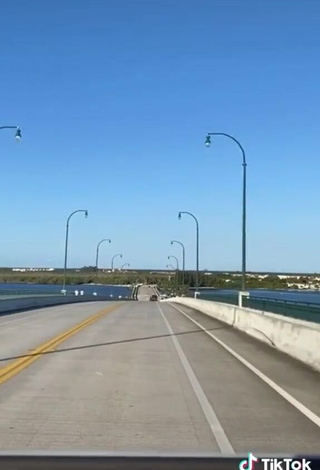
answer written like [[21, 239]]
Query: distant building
[[285, 276], [24, 270]]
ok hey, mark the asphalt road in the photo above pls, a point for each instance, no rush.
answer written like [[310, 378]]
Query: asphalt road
[[143, 376], [145, 292]]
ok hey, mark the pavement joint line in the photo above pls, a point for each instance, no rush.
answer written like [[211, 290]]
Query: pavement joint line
[[289, 398], [213, 421], [20, 364]]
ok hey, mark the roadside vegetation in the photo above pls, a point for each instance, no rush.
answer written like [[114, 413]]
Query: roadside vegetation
[[165, 280]]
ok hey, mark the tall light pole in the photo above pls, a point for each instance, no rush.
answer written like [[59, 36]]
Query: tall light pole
[[173, 269], [244, 199], [125, 264], [118, 254], [197, 248], [177, 270], [183, 257], [66, 247], [18, 131], [97, 255]]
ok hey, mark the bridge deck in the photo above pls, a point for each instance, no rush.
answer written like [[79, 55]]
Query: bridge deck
[[143, 376]]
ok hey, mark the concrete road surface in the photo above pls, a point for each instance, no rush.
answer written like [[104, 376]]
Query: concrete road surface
[[145, 292], [144, 376]]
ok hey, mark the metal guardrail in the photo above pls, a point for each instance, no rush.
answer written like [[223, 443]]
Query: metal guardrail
[[22, 304], [307, 311], [224, 298], [14, 293], [26, 293]]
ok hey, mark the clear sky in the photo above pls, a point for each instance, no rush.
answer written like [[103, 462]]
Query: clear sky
[[114, 99]]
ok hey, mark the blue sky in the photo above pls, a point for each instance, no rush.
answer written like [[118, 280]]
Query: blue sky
[[114, 99]]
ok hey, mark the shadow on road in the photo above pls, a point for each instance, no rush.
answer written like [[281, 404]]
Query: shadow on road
[[112, 343]]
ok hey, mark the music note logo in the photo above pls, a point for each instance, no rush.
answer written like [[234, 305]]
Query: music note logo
[[249, 463]]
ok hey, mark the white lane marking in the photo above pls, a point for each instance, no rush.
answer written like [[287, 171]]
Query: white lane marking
[[215, 426], [293, 401]]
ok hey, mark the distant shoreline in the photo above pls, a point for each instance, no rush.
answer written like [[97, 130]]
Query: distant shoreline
[[105, 285]]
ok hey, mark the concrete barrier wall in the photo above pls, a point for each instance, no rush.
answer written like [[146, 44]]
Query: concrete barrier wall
[[299, 339], [134, 293], [26, 303]]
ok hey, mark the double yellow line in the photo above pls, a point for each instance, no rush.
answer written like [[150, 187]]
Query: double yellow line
[[19, 364]]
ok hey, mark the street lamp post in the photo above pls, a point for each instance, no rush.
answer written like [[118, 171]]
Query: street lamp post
[[197, 249], [183, 257], [177, 270], [66, 247], [125, 264], [18, 131], [244, 201], [97, 255], [177, 261], [173, 269], [118, 254]]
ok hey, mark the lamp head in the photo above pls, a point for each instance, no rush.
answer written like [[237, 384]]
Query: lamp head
[[18, 134], [179, 216], [208, 141], [86, 214]]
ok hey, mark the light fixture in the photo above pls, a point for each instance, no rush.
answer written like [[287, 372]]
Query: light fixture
[[18, 134], [208, 141]]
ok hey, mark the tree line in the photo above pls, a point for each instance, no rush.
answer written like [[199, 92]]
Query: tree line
[[163, 280]]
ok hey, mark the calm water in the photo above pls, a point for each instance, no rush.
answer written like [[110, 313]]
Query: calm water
[[37, 289], [294, 295], [115, 291]]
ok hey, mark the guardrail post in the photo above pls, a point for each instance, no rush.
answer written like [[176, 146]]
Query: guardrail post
[[240, 295]]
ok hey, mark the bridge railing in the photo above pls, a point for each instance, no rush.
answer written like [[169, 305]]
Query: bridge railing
[[307, 311]]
